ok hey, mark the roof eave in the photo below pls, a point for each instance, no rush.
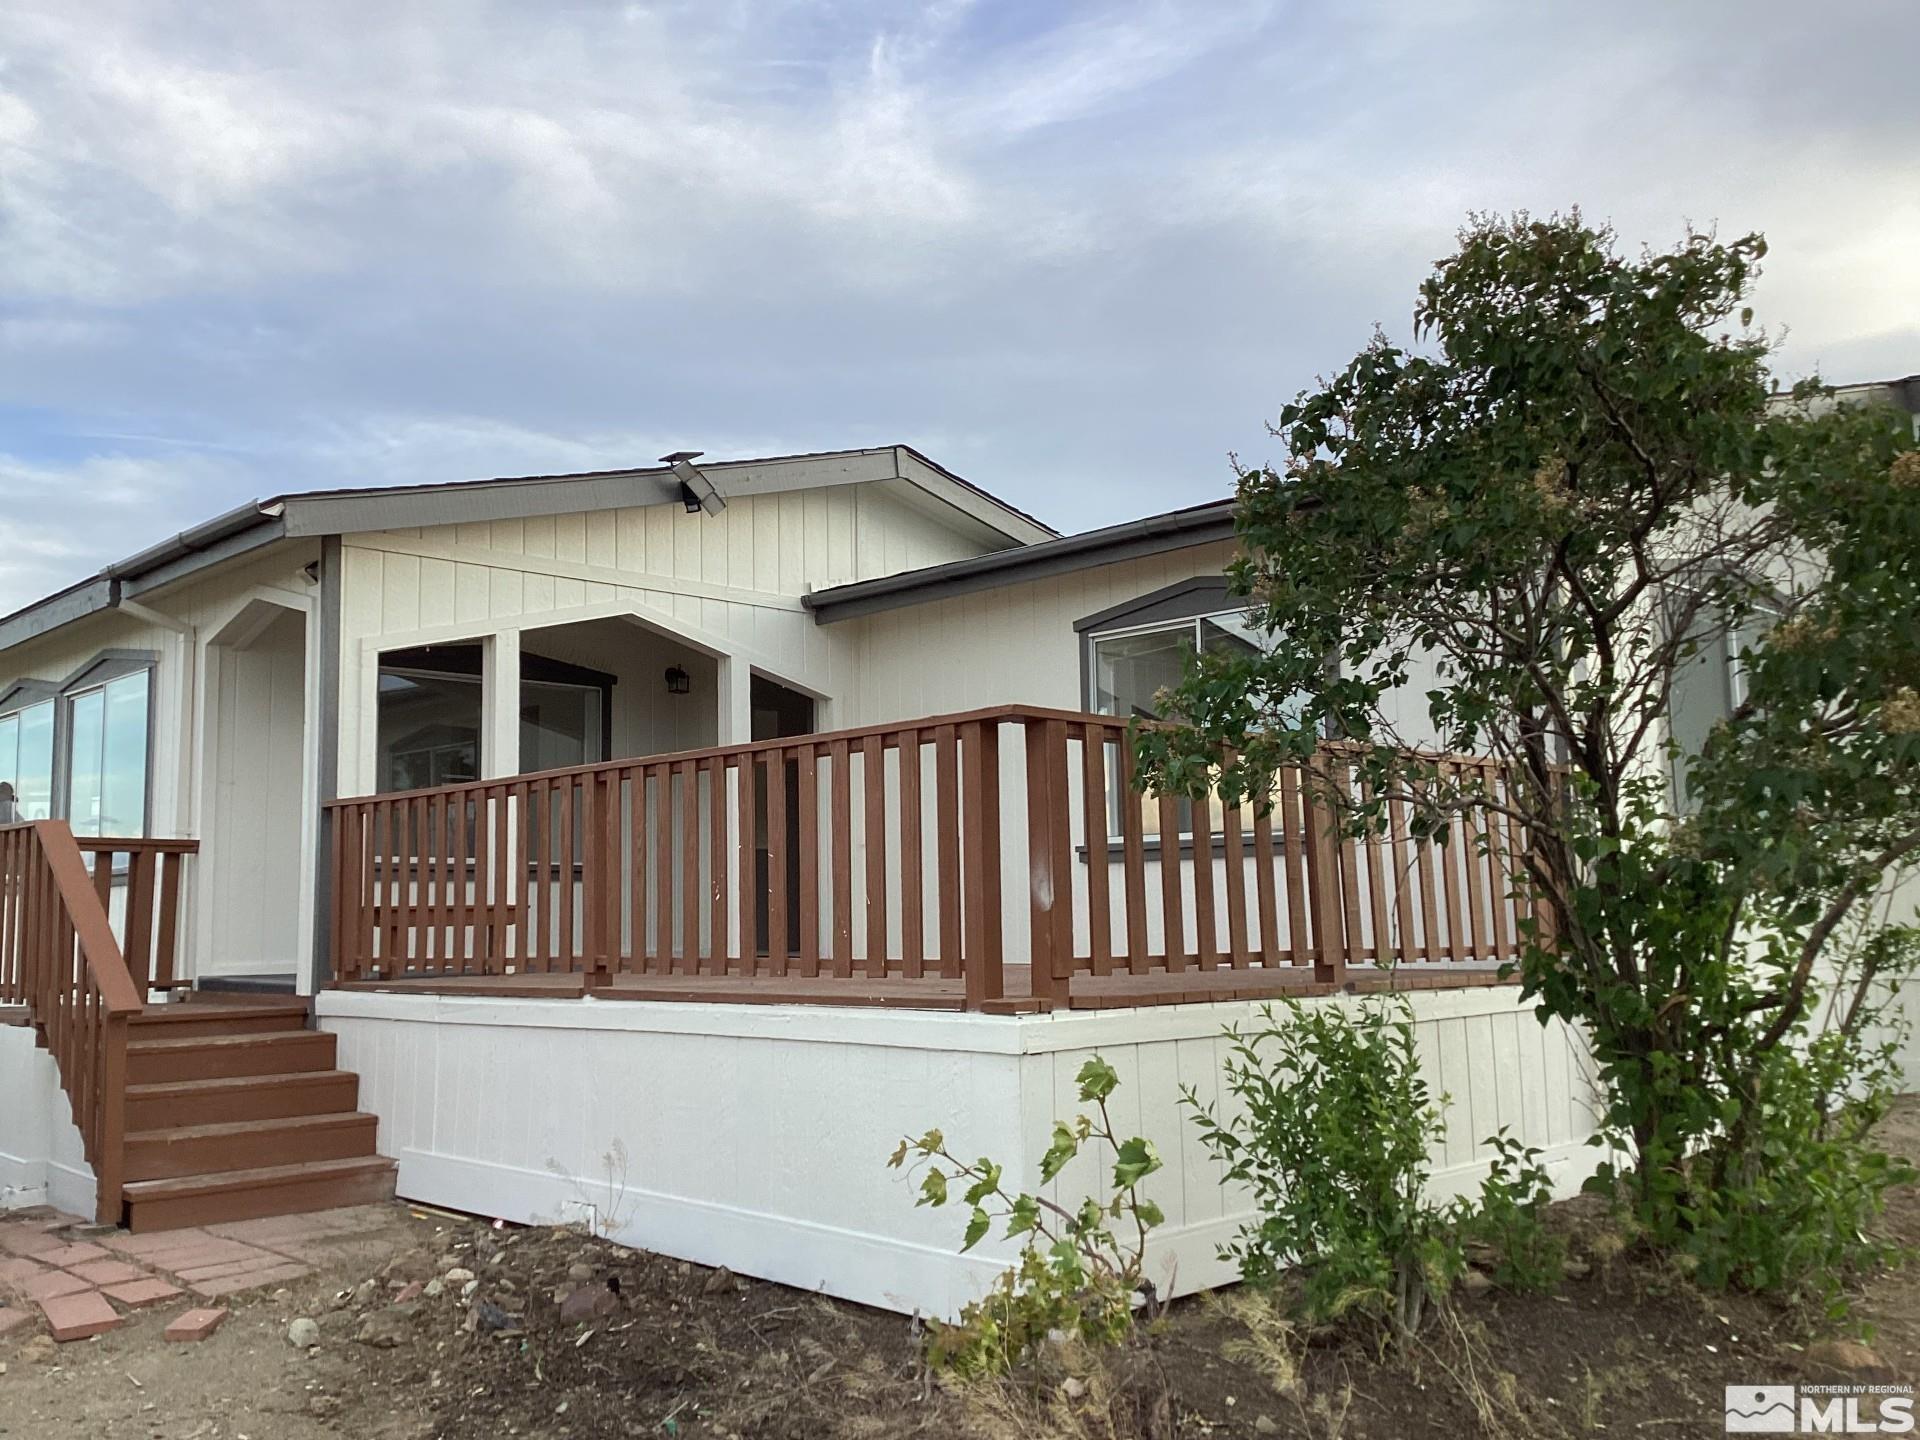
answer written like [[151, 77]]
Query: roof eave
[[1136, 539]]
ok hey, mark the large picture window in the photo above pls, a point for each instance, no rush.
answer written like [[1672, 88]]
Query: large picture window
[[107, 755], [432, 707], [26, 763]]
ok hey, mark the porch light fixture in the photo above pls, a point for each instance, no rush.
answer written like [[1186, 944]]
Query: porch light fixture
[[679, 682], [697, 492]]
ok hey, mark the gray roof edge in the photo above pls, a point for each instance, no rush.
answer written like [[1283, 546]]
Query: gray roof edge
[[1153, 535], [76, 602]]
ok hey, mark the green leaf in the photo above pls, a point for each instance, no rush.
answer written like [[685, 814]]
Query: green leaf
[[977, 1228], [1065, 1146], [933, 1189], [1097, 1080], [1136, 1160]]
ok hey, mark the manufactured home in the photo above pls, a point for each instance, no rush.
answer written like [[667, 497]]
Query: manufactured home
[[652, 848]]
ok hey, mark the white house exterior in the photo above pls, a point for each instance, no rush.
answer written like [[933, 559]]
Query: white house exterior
[[256, 685]]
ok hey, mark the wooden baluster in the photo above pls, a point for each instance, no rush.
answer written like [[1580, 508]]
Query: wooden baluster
[[1324, 899], [1206, 934], [1377, 881], [138, 951], [1449, 860], [1266, 885], [1294, 845], [1402, 875], [564, 888], [913, 935], [749, 895], [1173, 924], [1093, 798], [808, 795], [947, 831], [663, 892], [1049, 892], [1498, 859], [980, 843], [690, 907], [779, 927], [841, 784], [640, 832], [717, 852], [1133, 855], [1232, 843], [1470, 829], [873, 831]]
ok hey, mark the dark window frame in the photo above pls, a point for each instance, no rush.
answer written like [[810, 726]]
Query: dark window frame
[[102, 670]]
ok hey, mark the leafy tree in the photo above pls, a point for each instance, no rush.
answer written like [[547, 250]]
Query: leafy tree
[[1574, 485]]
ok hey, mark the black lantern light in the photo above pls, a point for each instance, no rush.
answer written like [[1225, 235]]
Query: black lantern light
[[679, 682]]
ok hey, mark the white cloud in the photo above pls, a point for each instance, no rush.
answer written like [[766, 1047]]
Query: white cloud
[[1091, 244]]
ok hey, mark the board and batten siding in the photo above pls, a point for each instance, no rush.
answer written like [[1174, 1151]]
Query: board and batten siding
[[730, 585], [756, 1136], [196, 684]]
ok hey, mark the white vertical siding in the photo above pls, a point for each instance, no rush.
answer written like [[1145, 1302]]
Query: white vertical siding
[[756, 1137]]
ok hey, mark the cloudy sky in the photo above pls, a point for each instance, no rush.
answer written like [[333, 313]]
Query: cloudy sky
[[1077, 252]]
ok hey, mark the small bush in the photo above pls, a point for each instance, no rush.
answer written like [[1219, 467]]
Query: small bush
[[1334, 1143], [1079, 1271], [1793, 1208], [1511, 1219]]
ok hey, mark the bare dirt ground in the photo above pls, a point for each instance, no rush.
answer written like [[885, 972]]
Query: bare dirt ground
[[563, 1337]]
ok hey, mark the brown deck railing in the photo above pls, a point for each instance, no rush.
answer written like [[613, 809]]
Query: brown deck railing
[[151, 873], [59, 960], [883, 852]]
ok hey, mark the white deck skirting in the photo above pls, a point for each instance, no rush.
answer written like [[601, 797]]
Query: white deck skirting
[[756, 1136], [42, 1158]]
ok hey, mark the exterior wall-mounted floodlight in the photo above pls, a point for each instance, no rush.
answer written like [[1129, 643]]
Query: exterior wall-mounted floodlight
[[697, 492]]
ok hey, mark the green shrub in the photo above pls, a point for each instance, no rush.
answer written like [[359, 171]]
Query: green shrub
[[1079, 1271], [1333, 1140], [1792, 1205], [1511, 1219]]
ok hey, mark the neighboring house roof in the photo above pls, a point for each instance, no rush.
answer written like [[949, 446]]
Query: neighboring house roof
[[1173, 530], [313, 513]]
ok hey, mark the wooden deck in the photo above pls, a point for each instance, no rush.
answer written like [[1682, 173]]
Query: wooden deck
[[1088, 992]]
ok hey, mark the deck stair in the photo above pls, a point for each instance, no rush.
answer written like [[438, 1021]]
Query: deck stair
[[235, 1110]]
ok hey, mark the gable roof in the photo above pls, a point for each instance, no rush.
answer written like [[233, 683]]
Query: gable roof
[[313, 513], [1153, 535]]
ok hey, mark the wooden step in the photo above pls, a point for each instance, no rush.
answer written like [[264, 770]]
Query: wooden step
[[179, 1022], [248, 1145], [213, 1057], [251, 1194], [245, 1097]]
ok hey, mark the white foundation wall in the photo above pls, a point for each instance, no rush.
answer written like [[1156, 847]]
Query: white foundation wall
[[756, 1136], [42, 1158]]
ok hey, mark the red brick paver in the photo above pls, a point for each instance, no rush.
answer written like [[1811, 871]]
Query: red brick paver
[[16, 1270], [136, 1293], [195, 1325], [76, 1317], [51, 1284], [29, 1240], [71, 1254], [250, 1279], [108, 1272]]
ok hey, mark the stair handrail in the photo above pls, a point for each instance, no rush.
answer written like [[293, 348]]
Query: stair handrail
[[60, 960]]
